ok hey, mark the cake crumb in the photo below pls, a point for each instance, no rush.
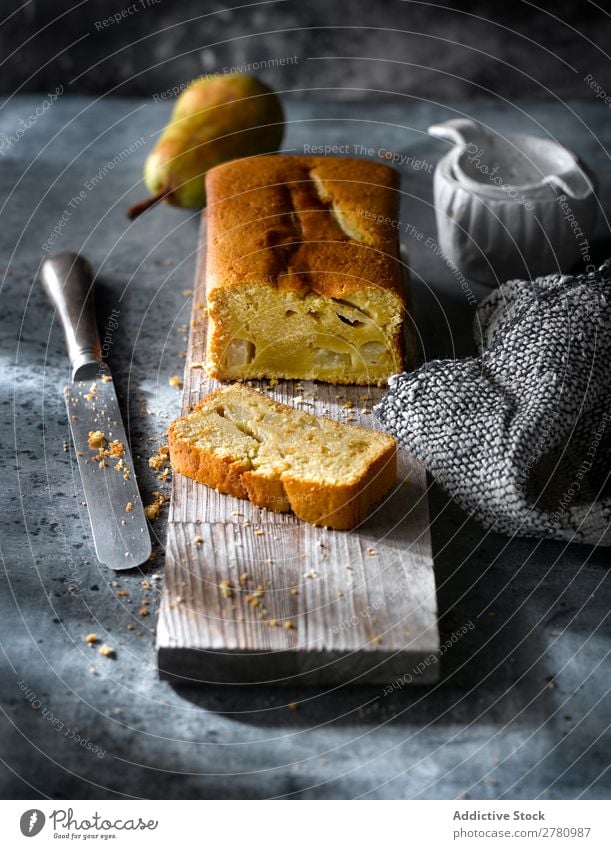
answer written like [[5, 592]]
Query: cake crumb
[[289, 625], [91, 639], [175, 381], [114, 449], [226, 588], [107, 651], [156, 461], [292, 705], [143, 611], [129, 507], [153, 510], [198, 540], [96, 439]]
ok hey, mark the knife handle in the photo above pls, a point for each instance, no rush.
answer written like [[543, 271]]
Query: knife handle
[[68, 282]]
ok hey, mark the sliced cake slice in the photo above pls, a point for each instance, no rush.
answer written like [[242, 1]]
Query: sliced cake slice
[[303, 273], [244, 444]]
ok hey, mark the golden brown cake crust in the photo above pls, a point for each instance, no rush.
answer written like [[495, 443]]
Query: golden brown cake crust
[[339, 506], [269, 223]]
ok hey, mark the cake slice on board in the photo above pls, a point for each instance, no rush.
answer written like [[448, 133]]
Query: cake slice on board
[[244, 444]]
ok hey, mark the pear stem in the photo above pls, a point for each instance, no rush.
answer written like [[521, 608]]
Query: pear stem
[[138, 208]]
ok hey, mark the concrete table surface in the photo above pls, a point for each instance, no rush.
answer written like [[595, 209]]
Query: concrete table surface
[[522, 708]]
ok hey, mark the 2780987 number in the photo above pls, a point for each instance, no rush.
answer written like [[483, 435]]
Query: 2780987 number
[[575, 831]]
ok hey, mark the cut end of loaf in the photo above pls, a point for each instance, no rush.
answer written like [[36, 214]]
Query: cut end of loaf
[[259, 332], [246, 445]]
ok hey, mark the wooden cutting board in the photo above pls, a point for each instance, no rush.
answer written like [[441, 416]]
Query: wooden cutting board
[[253, 596]]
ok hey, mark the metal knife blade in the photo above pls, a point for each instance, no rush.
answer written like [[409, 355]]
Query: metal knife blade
[[118, 523]]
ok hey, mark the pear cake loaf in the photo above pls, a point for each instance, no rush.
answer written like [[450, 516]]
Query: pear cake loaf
[[244, 444], [303, 274]]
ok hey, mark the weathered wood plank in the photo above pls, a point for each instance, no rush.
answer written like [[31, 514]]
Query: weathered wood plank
[[328, 606]]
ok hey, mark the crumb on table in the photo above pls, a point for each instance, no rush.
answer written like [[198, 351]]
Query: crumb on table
[[153, 510], [107, 651]]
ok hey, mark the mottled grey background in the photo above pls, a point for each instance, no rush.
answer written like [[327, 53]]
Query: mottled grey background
[[424, 49]]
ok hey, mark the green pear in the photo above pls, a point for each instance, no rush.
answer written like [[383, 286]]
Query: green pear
[[215, 119]]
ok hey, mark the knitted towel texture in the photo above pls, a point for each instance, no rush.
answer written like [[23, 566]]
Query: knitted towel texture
[[520, 435]]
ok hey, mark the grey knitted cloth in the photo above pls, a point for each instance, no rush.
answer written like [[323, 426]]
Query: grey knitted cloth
[[520, 436]]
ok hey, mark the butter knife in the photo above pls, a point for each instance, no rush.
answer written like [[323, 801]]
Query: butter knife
[[118, 523]]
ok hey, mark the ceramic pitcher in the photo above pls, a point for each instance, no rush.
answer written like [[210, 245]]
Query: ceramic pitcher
[[511, 205]]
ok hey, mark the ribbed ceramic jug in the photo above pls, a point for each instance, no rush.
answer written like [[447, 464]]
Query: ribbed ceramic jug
[[511, 205]]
